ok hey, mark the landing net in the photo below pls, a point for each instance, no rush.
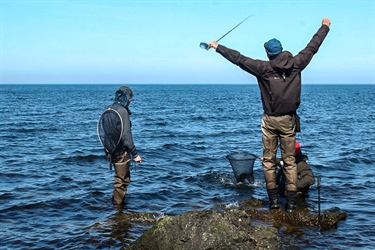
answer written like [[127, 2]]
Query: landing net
[[242, 164]]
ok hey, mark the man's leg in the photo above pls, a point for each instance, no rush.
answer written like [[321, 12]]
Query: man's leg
[[269, 140], [122, 178], [287, 146]]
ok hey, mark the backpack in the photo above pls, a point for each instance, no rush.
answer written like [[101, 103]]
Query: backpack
[[110, 129]]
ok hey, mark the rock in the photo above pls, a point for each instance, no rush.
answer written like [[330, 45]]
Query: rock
[[232, 229], [302, 217], [250, 226]]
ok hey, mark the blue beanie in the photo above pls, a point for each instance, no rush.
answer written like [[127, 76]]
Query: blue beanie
[[273, 47]]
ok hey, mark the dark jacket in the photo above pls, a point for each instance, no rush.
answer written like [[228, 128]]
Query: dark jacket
[[127, 143], [279, 79], [305, 176]]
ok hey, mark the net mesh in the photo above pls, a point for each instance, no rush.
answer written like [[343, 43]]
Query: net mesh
[[110, 129], [242, 164]]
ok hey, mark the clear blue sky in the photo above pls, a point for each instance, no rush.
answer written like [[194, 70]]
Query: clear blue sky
[[130, 42]]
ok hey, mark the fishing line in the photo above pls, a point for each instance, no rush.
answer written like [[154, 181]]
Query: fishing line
[[207, 46]]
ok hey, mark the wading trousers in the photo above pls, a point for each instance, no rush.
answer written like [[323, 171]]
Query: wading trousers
[[275, 128], [121, 177]]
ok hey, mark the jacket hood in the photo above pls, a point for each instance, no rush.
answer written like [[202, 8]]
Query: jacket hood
[[283, 61]]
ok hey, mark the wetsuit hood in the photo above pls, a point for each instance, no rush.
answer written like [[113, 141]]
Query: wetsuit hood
[[123, 96]]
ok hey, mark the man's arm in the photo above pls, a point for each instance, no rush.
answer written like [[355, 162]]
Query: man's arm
[[304, 56], [246, 63]]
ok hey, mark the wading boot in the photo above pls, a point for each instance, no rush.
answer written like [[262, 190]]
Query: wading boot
[[273, 198], [291, 201]]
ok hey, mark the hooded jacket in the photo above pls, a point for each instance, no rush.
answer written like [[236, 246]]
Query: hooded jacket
[[279, 79], [121, 105], [305, 176]]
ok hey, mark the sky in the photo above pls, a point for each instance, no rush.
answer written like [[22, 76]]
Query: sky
[[147, 42]]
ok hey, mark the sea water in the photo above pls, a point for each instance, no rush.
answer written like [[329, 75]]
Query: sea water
[[56, 185]]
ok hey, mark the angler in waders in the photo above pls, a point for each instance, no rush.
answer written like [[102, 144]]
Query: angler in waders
[[279, 81], [114, 130]]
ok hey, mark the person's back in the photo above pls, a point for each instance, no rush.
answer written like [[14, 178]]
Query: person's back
[[305, 176]]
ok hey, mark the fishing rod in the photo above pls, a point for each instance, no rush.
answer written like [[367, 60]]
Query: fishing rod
[[207, 46]]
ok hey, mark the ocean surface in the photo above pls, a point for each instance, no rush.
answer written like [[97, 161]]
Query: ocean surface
[[56, 185]]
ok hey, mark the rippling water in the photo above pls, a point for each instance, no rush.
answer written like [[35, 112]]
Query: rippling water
[[56, 185]]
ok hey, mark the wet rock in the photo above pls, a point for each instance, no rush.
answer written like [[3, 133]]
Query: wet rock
[[232, 229], [302, 217], [249, 226]]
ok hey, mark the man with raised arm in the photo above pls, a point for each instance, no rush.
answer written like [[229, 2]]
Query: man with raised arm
[[279, 81]]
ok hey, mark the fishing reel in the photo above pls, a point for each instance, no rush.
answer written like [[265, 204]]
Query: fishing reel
[[205, 46]]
